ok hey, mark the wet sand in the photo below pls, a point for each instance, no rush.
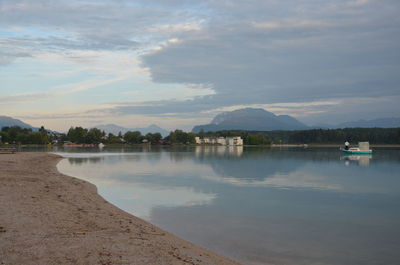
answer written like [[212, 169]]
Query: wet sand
[[50, 218]]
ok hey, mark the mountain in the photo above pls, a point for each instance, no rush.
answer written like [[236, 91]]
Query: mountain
[[152, 129], [6, 121], [115, 129], [322, 125], [375, 123], [111, 128], [251, 119]]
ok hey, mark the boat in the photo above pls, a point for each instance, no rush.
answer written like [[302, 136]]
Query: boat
[[362, 149], [356, 151]]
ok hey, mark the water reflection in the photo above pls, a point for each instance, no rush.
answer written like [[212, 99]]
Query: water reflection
[[291, 168], [131, 180], [362, 160], [258, 205], [84, 160], [221, 151]]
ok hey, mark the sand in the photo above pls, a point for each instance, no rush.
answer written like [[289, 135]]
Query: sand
[[50, 218]]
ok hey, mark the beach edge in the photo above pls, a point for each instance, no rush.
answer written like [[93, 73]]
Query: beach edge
[[51, 218]]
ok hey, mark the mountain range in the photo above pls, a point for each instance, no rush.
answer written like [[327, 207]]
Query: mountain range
[[115, 129], [251, 119], [243, 119], [378, 123], [6, 121]]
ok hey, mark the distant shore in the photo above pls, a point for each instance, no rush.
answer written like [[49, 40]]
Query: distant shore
[[333, 145], [50, 218]]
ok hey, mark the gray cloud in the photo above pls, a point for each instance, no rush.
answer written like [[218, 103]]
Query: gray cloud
[[165, 107], [9, 51], [286, 51], [9, 57], [53, 26]]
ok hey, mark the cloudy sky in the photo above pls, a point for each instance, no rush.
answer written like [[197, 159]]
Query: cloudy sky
[[178, 63]]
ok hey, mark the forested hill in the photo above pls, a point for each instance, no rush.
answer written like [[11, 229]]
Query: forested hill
[[353, 135], [323, 136]]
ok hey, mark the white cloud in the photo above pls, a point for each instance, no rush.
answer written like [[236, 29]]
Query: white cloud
[[175, 28], [23, 98], [86, 85]]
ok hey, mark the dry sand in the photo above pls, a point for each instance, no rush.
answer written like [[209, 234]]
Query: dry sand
[[50, 218]]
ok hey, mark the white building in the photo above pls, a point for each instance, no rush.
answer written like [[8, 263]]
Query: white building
[[232, 141], [221, 141], [237, 140]]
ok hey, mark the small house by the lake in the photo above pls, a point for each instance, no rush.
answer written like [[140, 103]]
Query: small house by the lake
[[235, 141]]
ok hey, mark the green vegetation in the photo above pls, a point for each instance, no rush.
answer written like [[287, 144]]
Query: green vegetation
[[17, 134], [315, 136], [133, 137], [180, 137], [153, 138], [353, 135], [256, 139], [81, 135], [136, 137]]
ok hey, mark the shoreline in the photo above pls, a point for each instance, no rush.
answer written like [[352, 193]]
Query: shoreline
[[330, 145], [50, 218]]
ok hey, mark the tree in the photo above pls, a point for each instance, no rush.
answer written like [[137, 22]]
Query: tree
[[257, 139], [37, 138], [112, 139], [133, 137], [93, 136], [77, 135], [153, 138], [179, 136], [23, 135], [42, 129]]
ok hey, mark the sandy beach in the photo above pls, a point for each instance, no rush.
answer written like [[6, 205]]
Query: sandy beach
[[50, 218]]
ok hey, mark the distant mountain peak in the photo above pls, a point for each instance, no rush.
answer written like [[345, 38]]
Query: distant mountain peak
[[378, 123], [115, 129], [245, 112], [153, 126], [391, 122], [251, 119], [6, 121]]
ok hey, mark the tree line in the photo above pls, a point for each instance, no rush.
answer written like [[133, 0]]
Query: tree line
[[82, 135], [353, 135], [17, 134], [314, 136]]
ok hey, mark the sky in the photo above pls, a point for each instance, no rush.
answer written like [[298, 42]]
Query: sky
[[178, 63]]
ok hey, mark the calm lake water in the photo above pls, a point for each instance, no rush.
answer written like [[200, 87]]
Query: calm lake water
[[258, 205]]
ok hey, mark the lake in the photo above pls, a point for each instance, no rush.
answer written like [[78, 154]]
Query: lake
[[257, 205]]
